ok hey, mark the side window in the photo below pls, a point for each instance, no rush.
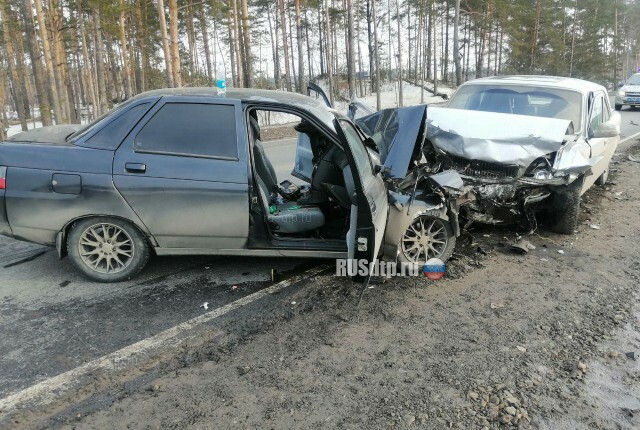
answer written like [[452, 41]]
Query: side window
[[359, 151], [112, 135], [597, 113], [192, 129]]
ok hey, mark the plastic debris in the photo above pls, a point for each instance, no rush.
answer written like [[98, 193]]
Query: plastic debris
[[293, 303], [522, 247], [235, 287], [205, 305], [497, 305], [594, 226], [521, 348], [560, 251]]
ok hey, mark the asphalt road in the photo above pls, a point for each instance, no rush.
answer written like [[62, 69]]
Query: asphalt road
[[630, 122], [52, 319]]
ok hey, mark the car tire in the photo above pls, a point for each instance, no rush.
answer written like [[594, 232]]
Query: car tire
[[566, 207], [107, 249], [440, 230], [618, 107]]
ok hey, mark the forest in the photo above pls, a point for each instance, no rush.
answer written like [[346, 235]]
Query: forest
[[70, 61]]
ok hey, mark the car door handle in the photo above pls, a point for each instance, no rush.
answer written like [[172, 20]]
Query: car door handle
[[135, 167]]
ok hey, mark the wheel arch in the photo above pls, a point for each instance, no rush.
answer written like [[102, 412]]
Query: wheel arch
[[400, 219], [61, 236]]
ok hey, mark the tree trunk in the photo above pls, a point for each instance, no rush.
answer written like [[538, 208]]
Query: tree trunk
[[246, 36], [273, 33], [456, 44], [371, 45], [350, 54], [90, 83], [309, 54], [239, 45], [126, 62], [46, 49], [100, 66], [359, 72], [60, 64], [445, 76], [232, 48], [435, 59], [301, 86], [429, 37], [38, 72], [329, 49], [162, 19], [18, 95], [285, 45], [191, 41], [399, 63], [175, 51], [141, 33], [205, 41], [377, 54]]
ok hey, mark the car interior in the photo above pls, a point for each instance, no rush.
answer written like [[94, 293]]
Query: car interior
[[296, 206]]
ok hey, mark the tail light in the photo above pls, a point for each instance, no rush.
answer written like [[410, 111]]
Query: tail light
[[3, 177]]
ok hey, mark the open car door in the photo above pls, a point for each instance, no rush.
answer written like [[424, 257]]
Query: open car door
[[369, 205], [316, 92]]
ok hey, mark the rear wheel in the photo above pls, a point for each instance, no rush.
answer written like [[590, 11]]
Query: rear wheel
[[107, 249], [426, 237], [566, 207]]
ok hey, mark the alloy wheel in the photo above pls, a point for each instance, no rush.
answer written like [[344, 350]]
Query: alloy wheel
[[106, 248], [425, 238]]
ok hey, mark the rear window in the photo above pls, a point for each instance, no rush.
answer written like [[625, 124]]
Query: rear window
[[521, 100], [190, 129], [112, 135]]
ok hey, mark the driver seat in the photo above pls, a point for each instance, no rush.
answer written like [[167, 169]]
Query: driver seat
[[283, 217]]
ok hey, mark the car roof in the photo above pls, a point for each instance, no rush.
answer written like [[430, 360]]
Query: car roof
[[314, 106], [539, 80]]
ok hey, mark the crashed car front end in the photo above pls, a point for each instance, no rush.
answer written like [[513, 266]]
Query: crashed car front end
[[511, 164], [423, 204]]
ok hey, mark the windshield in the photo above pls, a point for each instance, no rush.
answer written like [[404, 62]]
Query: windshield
[[634, 80], [521, 100]]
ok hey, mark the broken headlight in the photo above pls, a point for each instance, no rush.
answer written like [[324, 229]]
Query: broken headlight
[[541, 168], [543, 174]]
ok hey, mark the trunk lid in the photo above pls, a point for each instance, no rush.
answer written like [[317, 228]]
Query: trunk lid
[[55, 134]]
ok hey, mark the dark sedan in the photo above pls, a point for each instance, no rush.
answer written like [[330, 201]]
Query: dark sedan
[[185, 171]]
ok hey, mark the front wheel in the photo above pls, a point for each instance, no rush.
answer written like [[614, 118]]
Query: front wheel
[[107, 249], [618, 107], [426, 237], [566, 207]]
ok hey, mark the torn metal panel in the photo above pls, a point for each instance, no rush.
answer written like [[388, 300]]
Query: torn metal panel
[[574, 157], [448, 179], [398, 134], [494, 137]]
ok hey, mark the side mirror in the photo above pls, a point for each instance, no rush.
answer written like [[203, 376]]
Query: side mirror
[[610, 128]]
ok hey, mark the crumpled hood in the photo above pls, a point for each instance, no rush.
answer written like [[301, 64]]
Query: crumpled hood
[[55, 134], [398, 134], [494, 137]]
